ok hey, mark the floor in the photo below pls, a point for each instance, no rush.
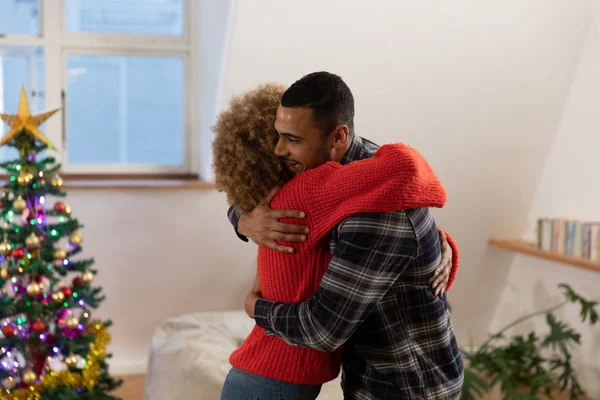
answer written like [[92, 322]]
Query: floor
[[132, 388]]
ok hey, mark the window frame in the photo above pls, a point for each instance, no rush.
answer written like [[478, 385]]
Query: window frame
[[58, 43]]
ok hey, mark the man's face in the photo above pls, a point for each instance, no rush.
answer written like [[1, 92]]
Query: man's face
[[302, 145]]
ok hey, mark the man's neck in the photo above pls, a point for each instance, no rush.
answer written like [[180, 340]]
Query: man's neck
[[342, 153]]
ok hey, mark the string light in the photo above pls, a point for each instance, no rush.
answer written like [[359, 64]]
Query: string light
[[30, 267]]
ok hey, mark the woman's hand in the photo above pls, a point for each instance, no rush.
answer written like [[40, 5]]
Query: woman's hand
[[442, 272]]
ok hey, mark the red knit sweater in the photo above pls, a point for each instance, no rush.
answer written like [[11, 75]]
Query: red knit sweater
[[397, 178]]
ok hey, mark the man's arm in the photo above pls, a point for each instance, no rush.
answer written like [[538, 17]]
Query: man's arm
[[372, 251]]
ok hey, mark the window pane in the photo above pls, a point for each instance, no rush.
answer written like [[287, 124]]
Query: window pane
[[150, 17], [20, 66], [19, 17], [127, 110]]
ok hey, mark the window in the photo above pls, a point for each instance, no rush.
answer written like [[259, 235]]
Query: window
[[150, 17], [137, 115], [19, 17], [121, 72]]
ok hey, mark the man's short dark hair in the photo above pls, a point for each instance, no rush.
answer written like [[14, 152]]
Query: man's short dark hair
[[327, 95]]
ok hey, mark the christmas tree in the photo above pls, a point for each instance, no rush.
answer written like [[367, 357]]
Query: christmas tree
[[50, 348]]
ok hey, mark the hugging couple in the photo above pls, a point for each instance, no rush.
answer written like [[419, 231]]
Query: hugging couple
[[352, 269]]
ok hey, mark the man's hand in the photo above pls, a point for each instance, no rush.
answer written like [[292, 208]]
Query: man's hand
[[254, 295], [442, 272], [262, 225]]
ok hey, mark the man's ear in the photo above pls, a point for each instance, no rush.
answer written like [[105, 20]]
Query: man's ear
[[341, 135]]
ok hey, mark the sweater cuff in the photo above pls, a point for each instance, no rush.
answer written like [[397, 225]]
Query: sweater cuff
[[262, 310]]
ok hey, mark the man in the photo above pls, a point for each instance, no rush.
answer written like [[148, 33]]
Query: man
[[376, 297]]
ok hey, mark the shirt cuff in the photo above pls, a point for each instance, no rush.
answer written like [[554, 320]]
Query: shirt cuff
[[262, 309], [244, 238]]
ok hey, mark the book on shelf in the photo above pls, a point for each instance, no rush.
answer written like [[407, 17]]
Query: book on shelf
[[569, 237]]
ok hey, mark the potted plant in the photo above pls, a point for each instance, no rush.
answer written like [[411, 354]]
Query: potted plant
[[529, 366]]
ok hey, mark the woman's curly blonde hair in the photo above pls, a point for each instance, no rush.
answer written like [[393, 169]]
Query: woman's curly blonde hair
[[243, 161]]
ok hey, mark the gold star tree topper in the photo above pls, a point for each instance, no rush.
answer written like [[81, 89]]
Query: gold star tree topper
[[24, 122]]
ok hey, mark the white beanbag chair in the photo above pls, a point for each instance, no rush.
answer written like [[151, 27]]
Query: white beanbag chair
[[189, 358]]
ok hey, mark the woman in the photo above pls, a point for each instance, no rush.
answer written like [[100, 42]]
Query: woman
[[247, 170]]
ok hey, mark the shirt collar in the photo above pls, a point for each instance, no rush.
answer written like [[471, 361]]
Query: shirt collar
[[355, 152]]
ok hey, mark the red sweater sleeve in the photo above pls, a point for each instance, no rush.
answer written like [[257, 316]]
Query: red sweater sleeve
[[397, 178]]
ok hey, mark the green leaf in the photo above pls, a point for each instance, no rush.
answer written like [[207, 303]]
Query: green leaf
[[567, 377], [561, 335], [588, 308], [474, 387]]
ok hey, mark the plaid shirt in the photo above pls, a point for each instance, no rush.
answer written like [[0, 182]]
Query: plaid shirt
[[376, 300]]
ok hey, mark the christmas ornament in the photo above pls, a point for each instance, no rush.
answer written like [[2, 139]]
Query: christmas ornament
[[24, 178], [56, 181], [72, 322], [5, 248], [60, 254], [8, 330], [60, 207], [58, 297], [88, 277], [71, 361], [87, 378], [24, 122], [76, 238], [4, 273], [19, 204], [78, 281], [32, 241], [38, 326], [67, 292], [33, 289], [67, 210], [29, 377], [18, 253], [50, 339]]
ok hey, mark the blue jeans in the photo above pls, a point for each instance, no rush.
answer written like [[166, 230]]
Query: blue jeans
[[241, 385]]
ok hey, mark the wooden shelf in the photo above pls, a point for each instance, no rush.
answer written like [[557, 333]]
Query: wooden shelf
[[529, 248]]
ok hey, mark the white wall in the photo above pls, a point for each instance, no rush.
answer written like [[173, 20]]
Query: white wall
[[568, 188], [160, 254], [478, 87]]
